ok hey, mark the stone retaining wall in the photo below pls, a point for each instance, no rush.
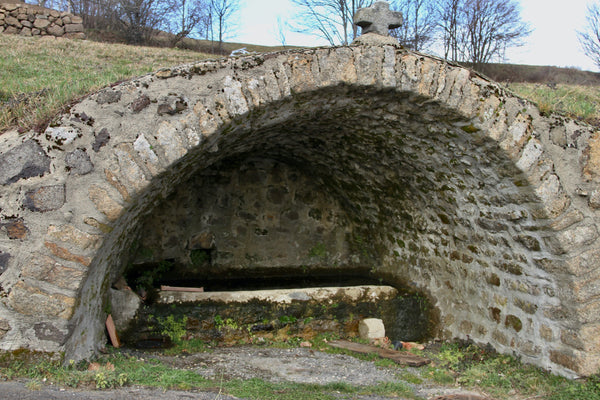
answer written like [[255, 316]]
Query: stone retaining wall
[[30, 20]]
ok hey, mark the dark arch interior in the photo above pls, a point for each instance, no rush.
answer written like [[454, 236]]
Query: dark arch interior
[[346, 183]]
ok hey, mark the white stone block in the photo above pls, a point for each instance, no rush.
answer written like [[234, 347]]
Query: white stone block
[[371, 328]]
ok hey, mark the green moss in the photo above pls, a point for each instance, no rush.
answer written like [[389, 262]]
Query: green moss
[[199, 257], [470, 128], [514, 322], [319, 251]]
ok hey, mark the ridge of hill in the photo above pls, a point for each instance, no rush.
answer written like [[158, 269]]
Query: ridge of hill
[[39, 77], [549, 75]]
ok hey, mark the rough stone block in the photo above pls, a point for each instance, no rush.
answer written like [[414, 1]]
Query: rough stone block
[[546, 333], [4, 327], [24, 161], [25, 31], [371, 328], [108, 96], [70, 234], [31, 300], [140, 103], [47, 331], [47, 198], [513, 322], [573, 238], [104, 203], [124, 306], [44, 268], [62, 135], [41, 23], [15, 228], [590, 158], [101, 139], [4, 258], [203, 241], [11, 30], [12, 21], [79, 163], [73, 28], [66, 255], [55, 30]]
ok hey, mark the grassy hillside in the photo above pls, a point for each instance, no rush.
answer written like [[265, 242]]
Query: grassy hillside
[[40, 76], [539, 74]]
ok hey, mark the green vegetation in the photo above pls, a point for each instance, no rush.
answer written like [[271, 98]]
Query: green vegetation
[[174, 329], [466, 365], [575, 101], [40, 77], [319, 251]]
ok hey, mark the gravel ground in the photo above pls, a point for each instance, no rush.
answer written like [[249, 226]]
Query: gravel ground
[[299, 365]]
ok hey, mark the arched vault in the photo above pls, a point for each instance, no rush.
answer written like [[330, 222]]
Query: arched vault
[[378, 157]]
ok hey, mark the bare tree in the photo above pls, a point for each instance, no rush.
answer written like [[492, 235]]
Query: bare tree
[[476, 31], [589, 38], [331, 20], [186, 17], [420, 23], [280, 33], [139, 18], [451, 28], [221, 18], [492, 26]]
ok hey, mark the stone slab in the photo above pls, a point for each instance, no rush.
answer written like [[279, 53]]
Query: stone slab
[[285, 296]]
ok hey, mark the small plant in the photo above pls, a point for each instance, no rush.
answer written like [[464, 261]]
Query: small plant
[[199, 257], [174, 329], [318, 251], [287, 319]]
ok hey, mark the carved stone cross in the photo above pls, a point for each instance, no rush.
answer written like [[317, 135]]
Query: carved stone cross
[[378, 18]]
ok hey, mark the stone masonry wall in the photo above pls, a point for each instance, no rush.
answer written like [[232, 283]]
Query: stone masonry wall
[[250, 213], [442, 179], [31, 20]]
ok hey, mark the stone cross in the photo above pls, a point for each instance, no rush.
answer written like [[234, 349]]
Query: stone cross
[[378, 18]]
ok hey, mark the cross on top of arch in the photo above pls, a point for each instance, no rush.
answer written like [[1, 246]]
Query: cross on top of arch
[[378, 18]]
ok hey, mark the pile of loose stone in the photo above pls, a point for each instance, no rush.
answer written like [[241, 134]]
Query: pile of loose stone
[[30, 20]]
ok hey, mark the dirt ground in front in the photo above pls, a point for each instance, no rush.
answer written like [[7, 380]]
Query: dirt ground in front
[[299, 365]]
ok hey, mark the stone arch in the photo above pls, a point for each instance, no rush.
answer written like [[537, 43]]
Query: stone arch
[[439, 178]]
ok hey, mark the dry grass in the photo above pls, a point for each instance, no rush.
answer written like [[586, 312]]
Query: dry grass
[[40, 76], [576, 101]]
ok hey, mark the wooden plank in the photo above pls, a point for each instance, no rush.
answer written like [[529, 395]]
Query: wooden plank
[[181, 289], [112, 332], [400, 357]]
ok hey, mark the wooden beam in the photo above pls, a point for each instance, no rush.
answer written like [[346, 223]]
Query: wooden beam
[[399, 357]]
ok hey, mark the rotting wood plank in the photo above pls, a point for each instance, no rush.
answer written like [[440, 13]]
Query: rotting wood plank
[[400, 357], [112, 332]]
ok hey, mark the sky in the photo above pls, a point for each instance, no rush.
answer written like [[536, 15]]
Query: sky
[[552, 42]]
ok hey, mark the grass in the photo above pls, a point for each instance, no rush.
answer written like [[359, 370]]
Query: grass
[[40, 77], [453, 364], [576, 101]]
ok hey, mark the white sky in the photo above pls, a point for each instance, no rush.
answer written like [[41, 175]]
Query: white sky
[[553, 41]]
